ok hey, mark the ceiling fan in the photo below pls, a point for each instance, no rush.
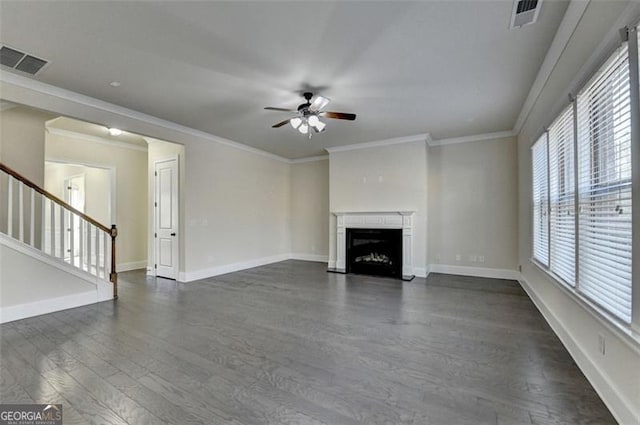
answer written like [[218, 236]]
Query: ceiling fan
[[308, 115]]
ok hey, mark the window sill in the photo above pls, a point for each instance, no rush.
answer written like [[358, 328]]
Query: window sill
[[626, 332]]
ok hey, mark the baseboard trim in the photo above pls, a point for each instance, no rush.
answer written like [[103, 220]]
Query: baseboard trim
[[133, 265], [475, 271], [310, 257], [417, 271], [51, 305], [620, 408], [421, 272], [230, 268]]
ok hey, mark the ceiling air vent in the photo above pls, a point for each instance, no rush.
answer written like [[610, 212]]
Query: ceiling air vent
[[21, 61], [524, 12]]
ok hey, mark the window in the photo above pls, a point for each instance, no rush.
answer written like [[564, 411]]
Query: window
[[562, 197], [540, 201], [604, 178], [590, 229]]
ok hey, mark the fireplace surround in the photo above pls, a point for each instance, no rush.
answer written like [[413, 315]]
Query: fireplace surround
[[402, 220]]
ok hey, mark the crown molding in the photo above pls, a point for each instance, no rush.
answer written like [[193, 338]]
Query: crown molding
[[387, 142], [473, 138], [309, 159], [95, 139], [68, 95], [569, 22], [5, 105]]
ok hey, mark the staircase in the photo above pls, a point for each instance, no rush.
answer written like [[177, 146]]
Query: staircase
[[52, 256]]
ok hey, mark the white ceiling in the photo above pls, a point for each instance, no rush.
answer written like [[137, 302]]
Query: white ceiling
[[448, 68]]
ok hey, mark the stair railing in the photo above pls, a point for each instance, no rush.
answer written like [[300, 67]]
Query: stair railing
[[47, 223]]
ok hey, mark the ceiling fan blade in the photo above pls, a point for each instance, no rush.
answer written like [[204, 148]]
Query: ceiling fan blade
[[339, 115], [271, 108], [318, 103], [280, 124]]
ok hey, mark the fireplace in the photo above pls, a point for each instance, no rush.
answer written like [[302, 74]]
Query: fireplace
[[374, 252], [400, 223]]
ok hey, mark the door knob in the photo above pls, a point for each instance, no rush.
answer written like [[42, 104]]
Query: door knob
[[173, 234]]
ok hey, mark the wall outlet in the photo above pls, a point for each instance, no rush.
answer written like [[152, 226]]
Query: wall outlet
[[601, 344], [458, 257], [480, 258]]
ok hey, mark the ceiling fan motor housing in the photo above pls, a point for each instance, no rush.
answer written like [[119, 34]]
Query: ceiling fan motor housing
[[307, 95]]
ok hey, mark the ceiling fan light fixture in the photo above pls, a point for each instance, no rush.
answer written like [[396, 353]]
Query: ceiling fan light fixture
[[295, 122], [307, 119], [313, 120]]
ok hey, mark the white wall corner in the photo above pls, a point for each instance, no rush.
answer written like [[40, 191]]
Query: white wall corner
[[624, 410]]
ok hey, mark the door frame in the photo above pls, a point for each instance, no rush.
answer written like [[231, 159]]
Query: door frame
[[112, 183], [151, 269]]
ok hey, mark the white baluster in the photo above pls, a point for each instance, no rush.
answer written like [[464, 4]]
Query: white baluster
[[105, 256], [89, 247], [52, 229], [96, 241], [81, 243], [10, 207], [72, 259], [32, 220], [61, 232], [43, 220], [20, 211]]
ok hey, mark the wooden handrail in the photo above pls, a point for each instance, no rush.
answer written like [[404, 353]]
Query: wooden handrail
[[111, 231], [54, 198]]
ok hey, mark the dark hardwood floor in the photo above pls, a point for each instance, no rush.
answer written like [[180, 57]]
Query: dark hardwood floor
[[289, 343]]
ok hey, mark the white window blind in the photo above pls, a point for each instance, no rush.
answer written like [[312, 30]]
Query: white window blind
[[604, 181], [562, 197], [540, 201]]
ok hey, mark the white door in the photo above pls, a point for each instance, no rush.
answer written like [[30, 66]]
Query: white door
[[166, 218]]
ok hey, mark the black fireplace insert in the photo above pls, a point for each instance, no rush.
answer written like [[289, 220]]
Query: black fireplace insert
[[375, 252]]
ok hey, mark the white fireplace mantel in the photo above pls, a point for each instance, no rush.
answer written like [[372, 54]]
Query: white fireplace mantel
[[374, 220]]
